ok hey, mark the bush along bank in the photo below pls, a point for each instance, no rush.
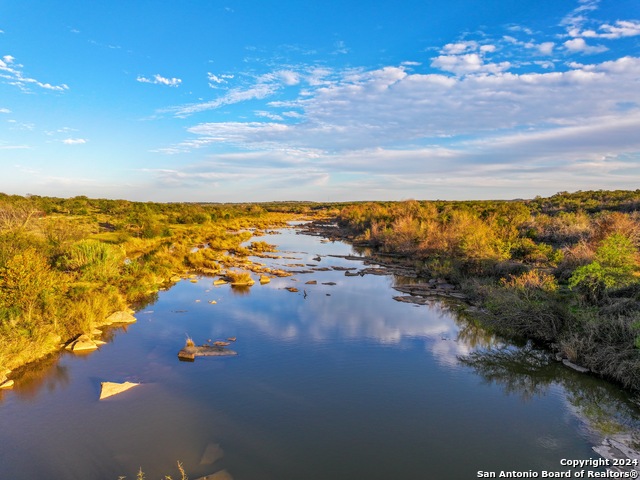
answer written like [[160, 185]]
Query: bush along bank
[[550, 270], [67, 264]]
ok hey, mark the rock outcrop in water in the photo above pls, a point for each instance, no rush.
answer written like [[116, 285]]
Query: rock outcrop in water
[[190, 352], [83, 343], [119, 317], [109, 389]]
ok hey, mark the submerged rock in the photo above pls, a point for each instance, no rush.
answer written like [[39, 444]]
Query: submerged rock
[[109, 389], [211, 454], [221, 475], [411, 299]]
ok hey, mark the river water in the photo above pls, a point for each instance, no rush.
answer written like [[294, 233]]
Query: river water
[[330, 382]]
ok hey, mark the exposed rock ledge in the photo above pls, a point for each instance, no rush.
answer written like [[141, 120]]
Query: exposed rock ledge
[[189, 353], [619, 448]]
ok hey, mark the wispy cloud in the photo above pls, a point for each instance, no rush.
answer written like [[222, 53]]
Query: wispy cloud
[[160, 80], [263, 86], [74, 141], [216, 80], [12, 74], [14, 147], [579, 26]]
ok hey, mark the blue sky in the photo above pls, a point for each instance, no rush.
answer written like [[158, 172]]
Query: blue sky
[[231, 100]]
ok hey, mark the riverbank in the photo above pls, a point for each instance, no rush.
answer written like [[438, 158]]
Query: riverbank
[[66, 265], [603, 345]]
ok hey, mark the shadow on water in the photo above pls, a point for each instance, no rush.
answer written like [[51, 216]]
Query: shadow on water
[[46, 373], [529, 372]]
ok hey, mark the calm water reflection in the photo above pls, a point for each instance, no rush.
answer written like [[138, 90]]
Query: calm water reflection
[[342, 383]]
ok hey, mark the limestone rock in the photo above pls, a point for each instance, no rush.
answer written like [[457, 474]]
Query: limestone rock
[[577, 368], [120, 317], [264, 279], [6, 384], [111, 388], [82, 344], [219, 281]]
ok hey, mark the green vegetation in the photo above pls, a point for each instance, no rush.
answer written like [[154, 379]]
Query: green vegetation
[[67, 264], [562, 270]]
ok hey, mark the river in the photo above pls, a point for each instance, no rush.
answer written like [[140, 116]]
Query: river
[[330, 382]]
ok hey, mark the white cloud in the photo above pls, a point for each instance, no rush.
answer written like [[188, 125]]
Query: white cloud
[[269, 115], [5, 110], [12, 73], [389, 105], [622, 28], [580, 46], [459, 47], [288, 77], [467, 63], [74, 141], [546, 48], [216, 80], [264, 86], [160, 80]]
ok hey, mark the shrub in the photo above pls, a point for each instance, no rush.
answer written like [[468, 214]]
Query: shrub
[[94, 260], [28, 284], [614, 266], [531, 282]]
